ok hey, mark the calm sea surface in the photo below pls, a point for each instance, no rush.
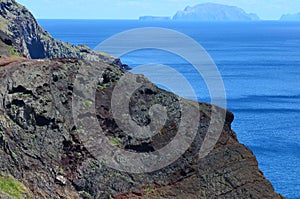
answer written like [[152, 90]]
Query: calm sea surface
[[260, 66]]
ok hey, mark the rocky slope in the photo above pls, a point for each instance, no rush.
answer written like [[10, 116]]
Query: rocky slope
[[214, 12], [40, 145], [45, 154], [21, 35]]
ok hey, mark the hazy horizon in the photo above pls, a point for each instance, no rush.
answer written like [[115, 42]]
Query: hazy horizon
[[133, 9]]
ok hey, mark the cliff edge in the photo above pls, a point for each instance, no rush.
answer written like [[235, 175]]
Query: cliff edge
[[42, 149]]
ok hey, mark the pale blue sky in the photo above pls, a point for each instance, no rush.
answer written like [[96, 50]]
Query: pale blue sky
[[132, 9]]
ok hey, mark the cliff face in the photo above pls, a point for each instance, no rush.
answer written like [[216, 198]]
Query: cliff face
[[40, 145], [21, 35], [214, 12], [42, 149]]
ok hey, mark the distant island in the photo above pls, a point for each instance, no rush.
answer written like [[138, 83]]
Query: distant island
[[290, 17], [214, 12], [154, 18], [207, 12]]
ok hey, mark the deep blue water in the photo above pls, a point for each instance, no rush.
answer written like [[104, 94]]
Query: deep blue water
[[260, 66]]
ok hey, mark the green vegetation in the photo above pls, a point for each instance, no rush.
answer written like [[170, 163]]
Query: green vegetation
[[12, 51], [77, 131], [115, 141], [14, 106], [87, 103], [61, 170], [26, 95], [150, 191], [103, 86], [51, 155], [205, 109], [4, 25], [12, 187], [85, 194]]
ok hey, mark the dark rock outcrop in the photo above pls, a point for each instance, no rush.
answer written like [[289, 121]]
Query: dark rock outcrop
[[214, 12], [40, 146], [21, 35], [43, 151]]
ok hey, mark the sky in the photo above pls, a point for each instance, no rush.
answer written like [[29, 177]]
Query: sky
[[132, 9]]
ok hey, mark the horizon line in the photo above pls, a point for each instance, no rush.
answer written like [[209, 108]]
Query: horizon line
[[137, 19]]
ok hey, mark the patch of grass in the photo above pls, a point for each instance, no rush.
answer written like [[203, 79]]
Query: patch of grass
[[4, 26], [12, 187], [87, 103], [103, 86], [77, 131], [115, 141], [12, 51], [26, 95], [150, 191], [85, 194], [14, 106], [61, 170], [204, 109], [51, 155]]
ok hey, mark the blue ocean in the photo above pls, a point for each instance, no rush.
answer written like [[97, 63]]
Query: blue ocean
[[260, 66]]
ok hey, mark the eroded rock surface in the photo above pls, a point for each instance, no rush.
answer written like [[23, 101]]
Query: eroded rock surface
[[40, 145], [47, 155]]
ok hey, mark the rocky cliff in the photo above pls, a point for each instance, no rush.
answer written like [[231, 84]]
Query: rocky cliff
[[214, 12], [21, 35], [44, 152]]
